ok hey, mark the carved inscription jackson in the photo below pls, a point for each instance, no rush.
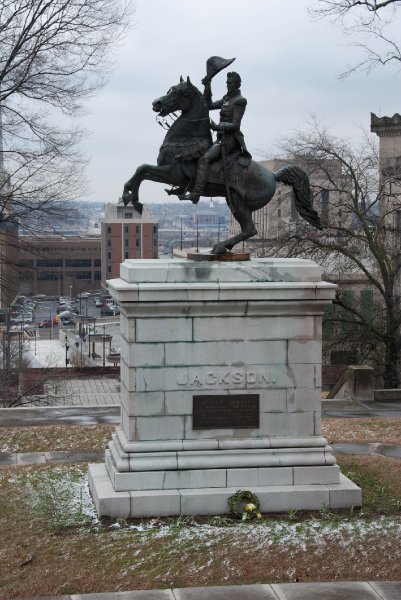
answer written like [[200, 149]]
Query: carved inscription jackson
[[225, 377]]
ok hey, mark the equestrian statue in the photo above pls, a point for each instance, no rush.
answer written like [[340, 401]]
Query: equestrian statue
[[195, 165]]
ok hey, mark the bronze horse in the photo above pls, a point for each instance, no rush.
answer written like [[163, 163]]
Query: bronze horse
[[189, 137]]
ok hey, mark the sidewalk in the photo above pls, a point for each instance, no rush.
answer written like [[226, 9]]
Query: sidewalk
[[94, 391], [339, 590]]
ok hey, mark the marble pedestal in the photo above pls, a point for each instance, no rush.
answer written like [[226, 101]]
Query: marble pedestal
[[219, 330]]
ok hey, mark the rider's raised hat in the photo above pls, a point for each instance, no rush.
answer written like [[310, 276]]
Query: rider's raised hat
[[215, 64]]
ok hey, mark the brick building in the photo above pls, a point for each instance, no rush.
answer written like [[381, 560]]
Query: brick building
[[58, 265], [126, 234]]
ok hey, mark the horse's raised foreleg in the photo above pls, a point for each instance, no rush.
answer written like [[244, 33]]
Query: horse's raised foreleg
[[156, 173], [243, 216]]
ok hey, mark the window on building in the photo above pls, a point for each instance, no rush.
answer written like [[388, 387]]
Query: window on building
[[97, 262], [366, 298], [126, 242], [128, 215], [138, 229], [109, 243], [83, 275], [108, 229], [125, 228], [52, 262], [109, 255], [126, 255], [97, 276], [78, 262], [109, 269], [347, 318], [343, 357], [137, 243], [47, 276]]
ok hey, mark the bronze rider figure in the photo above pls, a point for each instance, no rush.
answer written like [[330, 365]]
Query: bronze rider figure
[[229, 136]]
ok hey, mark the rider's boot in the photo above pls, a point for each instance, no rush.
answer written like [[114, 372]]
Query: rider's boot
[[200, 182]]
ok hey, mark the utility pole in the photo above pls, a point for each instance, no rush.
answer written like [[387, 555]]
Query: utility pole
[[104, 345]]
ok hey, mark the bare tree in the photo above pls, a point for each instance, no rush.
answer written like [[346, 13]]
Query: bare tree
[[374, 25], [54, 54], [21, 385], [360, 245]]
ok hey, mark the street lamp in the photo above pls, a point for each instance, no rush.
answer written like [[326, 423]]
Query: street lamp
[[104, 345], [89, 321], [183, 218], [66, 351], [197, 234]]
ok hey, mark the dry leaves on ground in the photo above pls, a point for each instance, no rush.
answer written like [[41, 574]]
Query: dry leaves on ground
[[50, 544], [55, 437], [383, 430]]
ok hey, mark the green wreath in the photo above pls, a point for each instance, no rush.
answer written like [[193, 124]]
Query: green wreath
[[244, 504]]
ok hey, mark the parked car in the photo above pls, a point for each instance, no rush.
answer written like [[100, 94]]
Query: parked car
[[98, 302], [62, 308], [65, 314], [68, 321], [106, 311], [45, 323]]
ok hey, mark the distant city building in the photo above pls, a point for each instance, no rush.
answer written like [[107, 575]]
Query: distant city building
[[126, 234], [8, 260], [389, 131], [8, 236], [58, 265], [208, 218]]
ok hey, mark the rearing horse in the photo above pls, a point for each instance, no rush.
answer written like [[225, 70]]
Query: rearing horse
[[187, 139]]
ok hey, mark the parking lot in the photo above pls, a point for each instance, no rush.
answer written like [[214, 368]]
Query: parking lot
[[46, 315], [44, 318]]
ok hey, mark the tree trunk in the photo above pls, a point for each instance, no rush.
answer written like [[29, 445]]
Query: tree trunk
[[391, 374]]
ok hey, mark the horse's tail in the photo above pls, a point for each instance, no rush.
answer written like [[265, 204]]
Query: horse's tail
[[299, 180]]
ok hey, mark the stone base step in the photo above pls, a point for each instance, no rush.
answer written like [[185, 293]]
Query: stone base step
[[213, 501], [165, 479]]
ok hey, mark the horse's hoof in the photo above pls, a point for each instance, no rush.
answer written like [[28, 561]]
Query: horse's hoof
[[138, 206], [126, 198], [219, 249]]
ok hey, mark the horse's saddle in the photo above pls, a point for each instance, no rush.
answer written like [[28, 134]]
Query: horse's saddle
[[234, 169]]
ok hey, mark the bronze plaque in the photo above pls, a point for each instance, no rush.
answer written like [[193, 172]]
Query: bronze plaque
[[225, 412]]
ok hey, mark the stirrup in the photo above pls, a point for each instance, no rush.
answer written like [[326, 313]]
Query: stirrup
[[194, 197]]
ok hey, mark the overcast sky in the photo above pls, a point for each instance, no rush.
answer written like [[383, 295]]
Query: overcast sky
[[289, 66]]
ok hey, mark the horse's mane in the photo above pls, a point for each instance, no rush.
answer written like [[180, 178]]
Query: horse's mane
[[187, 83]]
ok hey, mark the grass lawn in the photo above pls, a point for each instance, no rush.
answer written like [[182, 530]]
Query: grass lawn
[[51, 541], [96, 437]]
